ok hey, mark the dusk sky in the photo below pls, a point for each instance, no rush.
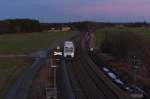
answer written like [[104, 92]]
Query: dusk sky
[[77, 10]]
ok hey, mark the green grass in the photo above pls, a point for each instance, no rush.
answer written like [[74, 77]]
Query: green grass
[[100, 34], [9, 70], [26, 43]]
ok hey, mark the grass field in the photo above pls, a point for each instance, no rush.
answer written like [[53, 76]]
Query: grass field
[[9, 70], [99, 35], [126, 42], [26, 43]]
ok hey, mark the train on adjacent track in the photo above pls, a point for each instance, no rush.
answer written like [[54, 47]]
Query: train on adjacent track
[[69, 49]]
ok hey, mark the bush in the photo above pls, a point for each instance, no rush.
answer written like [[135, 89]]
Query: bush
[[124, 44]]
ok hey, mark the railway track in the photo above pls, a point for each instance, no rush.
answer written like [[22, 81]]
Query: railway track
[[89, 82], [75, 84]]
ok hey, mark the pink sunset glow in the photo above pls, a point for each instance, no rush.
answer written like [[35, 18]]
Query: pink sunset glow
[[77, 10], [118, 8]]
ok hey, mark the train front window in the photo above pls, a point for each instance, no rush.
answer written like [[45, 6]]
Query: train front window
[[68, 49]]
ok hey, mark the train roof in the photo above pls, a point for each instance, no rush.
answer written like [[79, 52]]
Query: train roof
[[68, 44]]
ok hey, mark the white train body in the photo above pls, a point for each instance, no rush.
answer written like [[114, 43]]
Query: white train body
[[68, 49]]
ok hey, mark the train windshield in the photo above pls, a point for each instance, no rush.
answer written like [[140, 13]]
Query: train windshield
[[68, 49]]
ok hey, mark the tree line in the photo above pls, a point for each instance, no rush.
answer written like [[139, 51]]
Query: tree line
[[19, 26], [31, 25]]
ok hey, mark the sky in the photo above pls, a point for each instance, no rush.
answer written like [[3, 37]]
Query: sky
[[77, 10]]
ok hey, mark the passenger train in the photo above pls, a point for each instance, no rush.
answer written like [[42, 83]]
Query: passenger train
[[68, 49]]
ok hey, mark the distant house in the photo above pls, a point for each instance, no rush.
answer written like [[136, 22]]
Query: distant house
[[59, 29], [120, 26], [54, 29], [66, 28]]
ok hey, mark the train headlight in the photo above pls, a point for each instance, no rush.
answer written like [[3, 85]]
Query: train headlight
[[72, 55], [65, 55]]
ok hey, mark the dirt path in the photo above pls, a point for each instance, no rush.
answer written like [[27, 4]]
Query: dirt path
[[14, 56]]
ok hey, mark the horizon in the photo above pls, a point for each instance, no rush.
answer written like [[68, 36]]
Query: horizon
[[130, 22], [114, 11]]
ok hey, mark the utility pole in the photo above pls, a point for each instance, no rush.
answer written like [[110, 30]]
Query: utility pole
[[54, 71], [135, 69], [51, 92], [135, 66]]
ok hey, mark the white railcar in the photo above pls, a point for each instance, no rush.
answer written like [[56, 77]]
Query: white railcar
[[68, 49]]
